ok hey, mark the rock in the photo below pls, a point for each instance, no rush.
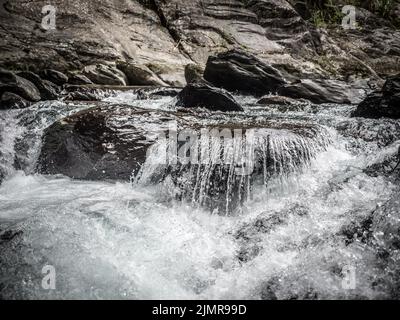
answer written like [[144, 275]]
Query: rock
[[242, 72], [97, 144], [277, 100], [9, 82], [105, 75], [11, 100], [55, 76], [83, 93], [145, 94], [79, 79], [193, 73], [46, 88], [139, 75], [322, 91], [201, 95], [385, 103]]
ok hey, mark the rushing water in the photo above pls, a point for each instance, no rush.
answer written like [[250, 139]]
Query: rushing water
[[137, 241]]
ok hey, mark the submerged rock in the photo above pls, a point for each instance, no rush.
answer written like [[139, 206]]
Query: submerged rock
[[10, 82], [277, 100], [240, 71], [385, 103], [202, 95]]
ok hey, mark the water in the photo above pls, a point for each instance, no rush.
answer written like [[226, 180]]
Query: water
[[138, 241]]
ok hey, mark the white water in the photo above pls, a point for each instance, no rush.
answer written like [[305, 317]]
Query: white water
[[117, 240]]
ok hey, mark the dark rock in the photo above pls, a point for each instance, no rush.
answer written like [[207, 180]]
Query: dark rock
[[105, 75], [11, 100], [193, 73], [201, 95], [145, 94], [242, 72], [96, 144], [9, 235], [9, 82], [79, 79], [85, 93], [322, 91], [46, 88], [139, 75], [385, 103], [277, 100], [55, 76]]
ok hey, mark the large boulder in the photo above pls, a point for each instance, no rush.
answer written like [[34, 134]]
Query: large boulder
[[202, 95], [322, 91], [10, 82], [98, 143], [240, 71], [79, 79], [105, 75], [47, 89], [384, 103]]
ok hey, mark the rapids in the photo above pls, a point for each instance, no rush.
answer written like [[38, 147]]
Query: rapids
[[290, 240]]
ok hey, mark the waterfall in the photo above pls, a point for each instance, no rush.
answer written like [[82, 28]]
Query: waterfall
[[217, 168]]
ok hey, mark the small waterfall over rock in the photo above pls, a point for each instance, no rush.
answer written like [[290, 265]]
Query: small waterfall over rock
[[217, 167]]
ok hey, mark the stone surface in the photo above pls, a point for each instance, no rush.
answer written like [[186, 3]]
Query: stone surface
[[105, 74], [55, 76], [322, 91], [139, 75], [384, 103], [12, 101], [10, 82], [202, 95], [239, 71], [48, 90]]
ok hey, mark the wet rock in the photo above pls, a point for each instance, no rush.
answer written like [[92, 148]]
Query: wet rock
[[139, 75], [382, 104], [201, 95], [145, 94], [239, 71], [47, 89], [98, 144], [10, 82], [193, 73], [277, 100], [79, 79], [9, 235], [85, 93], [105, 75], [322, 91], [55, 76], [10, 100]]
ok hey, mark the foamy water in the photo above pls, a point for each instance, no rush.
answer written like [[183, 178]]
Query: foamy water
[[135, 241]]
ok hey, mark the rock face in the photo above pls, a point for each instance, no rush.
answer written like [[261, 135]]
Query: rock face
[[55, 76], [202, 95], [161, 37], [385, 103], [9, 82], [242, 72]]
